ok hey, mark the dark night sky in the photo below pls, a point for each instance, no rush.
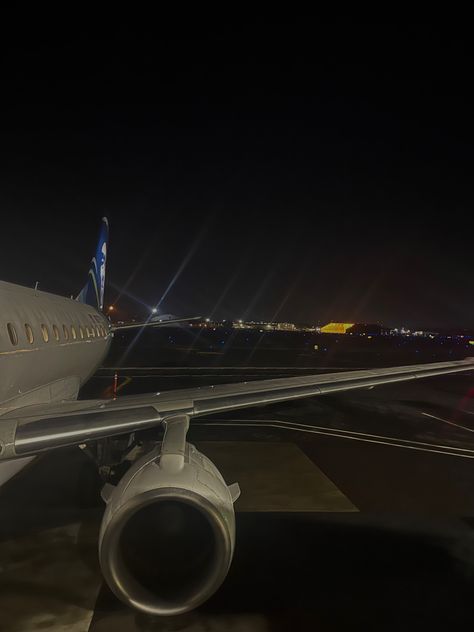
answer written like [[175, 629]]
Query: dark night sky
[[303, 174]]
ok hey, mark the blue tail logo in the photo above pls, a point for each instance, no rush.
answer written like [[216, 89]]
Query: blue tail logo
[[93, 291]]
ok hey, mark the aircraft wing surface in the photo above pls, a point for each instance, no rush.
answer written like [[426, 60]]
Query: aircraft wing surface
[[33, 429]]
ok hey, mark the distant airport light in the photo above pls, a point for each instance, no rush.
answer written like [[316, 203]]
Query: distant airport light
[[208, 320], [336, 328], [154, 311], [111, 308]]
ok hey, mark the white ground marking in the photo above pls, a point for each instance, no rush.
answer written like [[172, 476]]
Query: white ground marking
[[451, 423], [355, 436], [343, 431], [171, 376], [234, 368]]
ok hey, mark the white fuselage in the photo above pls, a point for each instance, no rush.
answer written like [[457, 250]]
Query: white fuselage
[[49, 346]]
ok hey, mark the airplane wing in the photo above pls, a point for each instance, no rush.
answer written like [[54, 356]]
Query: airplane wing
[[34, 429], [155, 323]]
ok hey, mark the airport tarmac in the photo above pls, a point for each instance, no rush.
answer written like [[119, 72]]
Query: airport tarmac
[[355, 511]]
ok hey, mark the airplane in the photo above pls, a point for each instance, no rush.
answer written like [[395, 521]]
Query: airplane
[[49, 347]]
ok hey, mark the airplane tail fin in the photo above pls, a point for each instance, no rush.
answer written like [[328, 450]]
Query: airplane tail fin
[[93, 291]]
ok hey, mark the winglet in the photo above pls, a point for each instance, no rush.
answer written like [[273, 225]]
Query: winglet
[[93, 291]]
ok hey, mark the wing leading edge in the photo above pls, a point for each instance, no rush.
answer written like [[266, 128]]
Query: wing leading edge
[[28, 431]]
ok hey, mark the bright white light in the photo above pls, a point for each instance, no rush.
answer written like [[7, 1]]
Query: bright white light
[[208, 320], [154, 310]]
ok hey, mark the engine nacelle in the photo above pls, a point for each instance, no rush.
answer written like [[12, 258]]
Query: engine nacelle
[[168, 533]]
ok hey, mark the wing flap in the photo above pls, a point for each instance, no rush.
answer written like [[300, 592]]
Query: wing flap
[[56, 432]]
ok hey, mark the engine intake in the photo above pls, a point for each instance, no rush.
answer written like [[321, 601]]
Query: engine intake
[[168, 533]]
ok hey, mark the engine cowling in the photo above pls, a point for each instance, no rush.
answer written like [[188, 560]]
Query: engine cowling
[[168, 533]]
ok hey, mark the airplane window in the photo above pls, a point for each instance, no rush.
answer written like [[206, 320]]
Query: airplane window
[[12, 333], [55, 332], [98, 332], [92, 332], [73, 332], [29, 333], [66, 332], [81, 332], [45, 332]]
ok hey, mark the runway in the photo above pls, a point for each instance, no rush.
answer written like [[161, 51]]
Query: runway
[[381, 526]]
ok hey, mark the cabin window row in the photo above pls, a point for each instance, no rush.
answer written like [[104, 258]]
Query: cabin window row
[[57, 333]]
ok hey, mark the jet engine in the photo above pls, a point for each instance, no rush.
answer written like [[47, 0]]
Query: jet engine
[[168, 532]]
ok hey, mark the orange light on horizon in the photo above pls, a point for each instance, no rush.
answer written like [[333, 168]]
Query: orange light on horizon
[[336, 328]]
